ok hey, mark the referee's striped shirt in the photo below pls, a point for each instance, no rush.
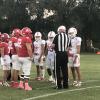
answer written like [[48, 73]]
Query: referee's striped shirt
[[61, 42]]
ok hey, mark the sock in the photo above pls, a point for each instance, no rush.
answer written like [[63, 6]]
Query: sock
[[49, 72], [42, 73]]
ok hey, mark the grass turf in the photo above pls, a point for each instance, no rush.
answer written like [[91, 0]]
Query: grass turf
[[90, 71]]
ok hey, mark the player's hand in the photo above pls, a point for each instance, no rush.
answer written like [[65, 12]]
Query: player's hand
[[75, 58], [39, 59], [44, 58], [3, 59], [70, 54], [31, 59]]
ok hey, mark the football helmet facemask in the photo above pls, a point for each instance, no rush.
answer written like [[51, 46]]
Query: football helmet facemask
[[38, 36], [72, 32], [51, 35]]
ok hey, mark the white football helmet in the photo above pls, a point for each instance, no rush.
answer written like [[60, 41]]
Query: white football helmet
[[61, 29], [51, 35], [72, 32], [38, 36]]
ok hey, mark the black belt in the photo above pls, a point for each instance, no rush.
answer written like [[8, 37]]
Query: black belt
[[36, 54], [61, 51]]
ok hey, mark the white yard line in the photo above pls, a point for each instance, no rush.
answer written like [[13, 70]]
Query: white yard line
[[52, 94]]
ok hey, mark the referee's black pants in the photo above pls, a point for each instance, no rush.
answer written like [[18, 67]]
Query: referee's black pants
[[62, 69]]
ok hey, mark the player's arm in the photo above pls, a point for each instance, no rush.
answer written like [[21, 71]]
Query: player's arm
[[54, 42], [29, 49], [78, 49], [46, 50], [42, 51], [78, 52], [16, 47], [2, 51]]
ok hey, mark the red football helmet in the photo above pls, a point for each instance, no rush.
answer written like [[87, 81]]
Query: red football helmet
[[26, 31], [5, 37], [16, 32]]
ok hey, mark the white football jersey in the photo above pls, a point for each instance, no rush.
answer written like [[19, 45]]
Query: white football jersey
[[49, 46], [37, 46], [50, 55], [74, 43]]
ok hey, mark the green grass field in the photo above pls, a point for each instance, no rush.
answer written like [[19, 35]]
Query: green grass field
[[42, 90]]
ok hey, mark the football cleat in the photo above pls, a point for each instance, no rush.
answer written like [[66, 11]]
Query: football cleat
[[50, 78], [78, 84], [27, 87], [12, 83], [74, 83], [42, 78], [21, 85], [38, 78], [53, 82], [1, 83], [6, 84], [15, 85]]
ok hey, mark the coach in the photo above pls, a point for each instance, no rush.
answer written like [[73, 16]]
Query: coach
[[61, 43]]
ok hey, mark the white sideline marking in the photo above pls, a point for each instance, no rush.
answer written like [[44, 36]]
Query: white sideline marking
[[52, 94]]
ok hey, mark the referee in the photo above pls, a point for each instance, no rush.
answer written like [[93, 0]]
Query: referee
[[61, 43]]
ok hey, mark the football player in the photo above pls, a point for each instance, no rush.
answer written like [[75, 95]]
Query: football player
[[15, 63], [50, 53], [25, 56], [39, 46], [74, 55], [5, 58]]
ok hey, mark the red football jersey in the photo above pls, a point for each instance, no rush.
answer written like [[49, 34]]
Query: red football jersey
[[12, 47], [6, 48], [22, 49]]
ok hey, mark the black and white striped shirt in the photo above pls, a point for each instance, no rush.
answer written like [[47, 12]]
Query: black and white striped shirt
[[61, 42]]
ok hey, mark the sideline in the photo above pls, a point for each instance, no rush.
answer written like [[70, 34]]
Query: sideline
[[52, 94]]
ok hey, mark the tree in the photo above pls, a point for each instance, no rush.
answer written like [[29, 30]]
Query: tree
[[13, 14], [46, 15]]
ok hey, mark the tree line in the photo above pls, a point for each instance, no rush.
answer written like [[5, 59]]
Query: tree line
[[46, 15]]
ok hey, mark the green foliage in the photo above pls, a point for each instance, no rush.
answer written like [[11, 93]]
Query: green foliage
[[84, 15], [15, 13]]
